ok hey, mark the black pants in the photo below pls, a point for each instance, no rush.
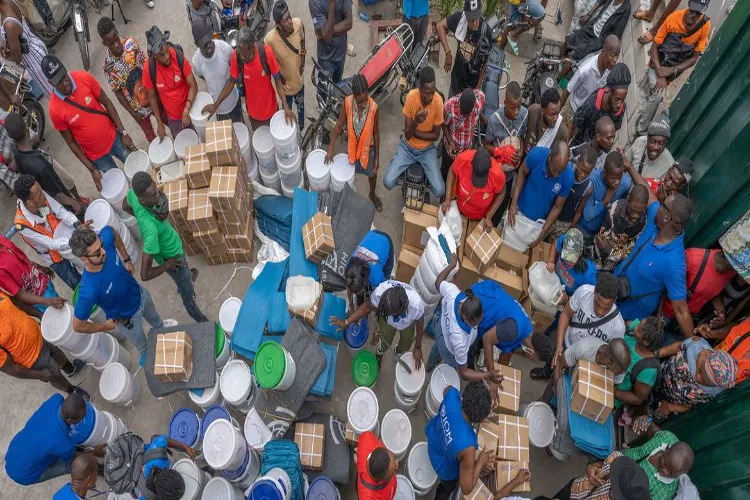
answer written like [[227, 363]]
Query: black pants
[[445, 489], [446, 162], [564, 493]]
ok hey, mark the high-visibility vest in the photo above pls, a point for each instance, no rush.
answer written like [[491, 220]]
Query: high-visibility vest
[[21, 221], [359, 149]]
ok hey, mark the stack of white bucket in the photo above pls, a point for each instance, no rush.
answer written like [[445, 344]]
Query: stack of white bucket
[[266, 155], [318, 171], [106, 428], [198, 118], [432, 262], [226, 450], [288, 155], [103, 214], [251, 162]]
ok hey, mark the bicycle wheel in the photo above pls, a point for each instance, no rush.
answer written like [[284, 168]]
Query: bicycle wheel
[[83, 43], [32, 113]]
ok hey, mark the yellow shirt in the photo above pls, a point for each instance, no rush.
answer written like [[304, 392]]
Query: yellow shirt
[[288, 60], [413, 105]]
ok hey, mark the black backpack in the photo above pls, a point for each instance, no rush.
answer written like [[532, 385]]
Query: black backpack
[[180, 62], [123, 463], [261, 51], [644, 364]]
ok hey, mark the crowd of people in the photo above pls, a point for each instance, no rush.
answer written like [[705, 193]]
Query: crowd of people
[[636, 301]]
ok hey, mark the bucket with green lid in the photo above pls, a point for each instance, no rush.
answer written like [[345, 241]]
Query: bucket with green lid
[[365, 369], [223, 349], [97, 315], [274, 367]]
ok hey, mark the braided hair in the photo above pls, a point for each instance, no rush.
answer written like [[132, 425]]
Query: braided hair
[[393, 301], [168, 484], [471, 308], [359, 84]]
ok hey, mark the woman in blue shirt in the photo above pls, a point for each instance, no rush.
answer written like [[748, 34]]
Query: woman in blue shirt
[[568, 262], [370, 264], [452, 442]]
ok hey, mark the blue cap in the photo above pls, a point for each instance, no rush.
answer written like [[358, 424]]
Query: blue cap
[[263, 489], [214, 412], [356, 334], [185, 427], [322, 488]]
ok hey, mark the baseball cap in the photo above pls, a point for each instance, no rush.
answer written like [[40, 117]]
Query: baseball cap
[[202, 33], [53, 69], [480, 167], [698, 5], [473, 9], [572, 245], [155, 39], [506, 330], [628, 481], [279, 9]]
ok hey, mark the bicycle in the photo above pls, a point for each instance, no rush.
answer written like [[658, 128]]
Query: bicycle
[[81, 30]]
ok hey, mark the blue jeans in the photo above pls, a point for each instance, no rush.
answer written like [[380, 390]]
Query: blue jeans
[[118, 150], [530, 8], [440, 350], [148, 312], [68, 273], [183, 278], [406, 156], [299, 100], [57, 469], [335, 70]]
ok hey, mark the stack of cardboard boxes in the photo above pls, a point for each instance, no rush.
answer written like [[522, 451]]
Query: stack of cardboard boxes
[[211, 207]]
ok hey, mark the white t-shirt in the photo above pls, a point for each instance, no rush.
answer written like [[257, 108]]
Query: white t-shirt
[[586, 348], [582, 303], [586, 80], [456, 339], [415, 310], [216, 73], [604, 17]]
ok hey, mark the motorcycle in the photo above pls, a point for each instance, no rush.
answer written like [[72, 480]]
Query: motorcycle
[[330, 97], [16, 96], [416, 61], [541, 73], [235, 13], [497, 70], [48, 19]]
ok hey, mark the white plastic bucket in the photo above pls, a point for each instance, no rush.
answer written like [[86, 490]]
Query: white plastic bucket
[[302, 292], [170, 172], [223, 446], [132, 224], [318, 171], [161, 151], [57, 329], [98, 434], [106, 352], [101, 214], [65, 231], [228, 313], [404, 489], [288, 191], [115, 187], [362, 410], [118, 386], [442, 377], [271, 370], [224, 356], [257, 433], [396, 432], [89, 350], [197, 117], [419, 470], [284, 136], [195, 478], [186, 138], [119, 354], [115, 427], [289, 169], [237, 385], [137, 161], [274, 485], [247, 473], [253, 171], [408, 386], [219, 488], [210, 395], [272, 180], [243, 141], [542, 423], [263, 148], [342, 172]]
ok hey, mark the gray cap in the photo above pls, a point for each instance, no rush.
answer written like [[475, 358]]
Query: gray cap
[[660, 125], [155, 39]]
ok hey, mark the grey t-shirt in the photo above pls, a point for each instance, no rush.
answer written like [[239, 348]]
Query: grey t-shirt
[[335, 50], [500, 127], [586, 348], [640, 161]]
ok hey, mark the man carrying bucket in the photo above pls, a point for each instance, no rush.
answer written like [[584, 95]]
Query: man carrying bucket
[[376, 469], [161, 242]]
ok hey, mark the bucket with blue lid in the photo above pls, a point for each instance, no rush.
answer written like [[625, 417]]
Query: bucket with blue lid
[[275, 485], [356, 336], [185, 427], [216, 412], [322, 488]]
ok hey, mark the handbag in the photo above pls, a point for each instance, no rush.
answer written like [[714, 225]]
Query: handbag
[[623, 283]]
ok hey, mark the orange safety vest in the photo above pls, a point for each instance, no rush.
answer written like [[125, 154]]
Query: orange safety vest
[[737, 344], [360, 149], [21, 222]]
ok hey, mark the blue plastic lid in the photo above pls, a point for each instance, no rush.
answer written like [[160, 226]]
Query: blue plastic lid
[[185, 426], [237, 473], [81, 431], [356, 334], [214, 412], [263, 489], [322, 488]]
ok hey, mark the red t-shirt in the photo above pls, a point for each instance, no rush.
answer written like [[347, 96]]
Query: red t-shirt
[[366, 444], [260, 93], [95, 133], [17, 271], [474, 202], [171, 84], [709, 286]]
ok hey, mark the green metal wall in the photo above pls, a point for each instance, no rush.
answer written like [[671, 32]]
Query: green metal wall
[[711, 125]]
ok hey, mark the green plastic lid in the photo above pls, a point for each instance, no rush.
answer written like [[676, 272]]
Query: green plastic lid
[[221, 338], [269, 364], [365, 369], [75, 299]]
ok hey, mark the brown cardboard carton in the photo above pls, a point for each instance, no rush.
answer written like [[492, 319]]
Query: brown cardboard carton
[[487, 437], [351, 436], [198, 171], [507, 471], [466, 275], [217, 259], [189, 245], [481, 247], [240, 255], [542, 252], [227, 189], [539, 320], [513, 438], [480, 492], [309, 439], [230, 218], [177, 194], [210, 238], [431, 210], [310, 316], [194, 150], [222, 147], [514, 284], [408, 260], [510, 392], [593, 389], [200, 212], [244, 241], [174, 357], [415, 227], [317, 236], [232, 228], [511, 260]]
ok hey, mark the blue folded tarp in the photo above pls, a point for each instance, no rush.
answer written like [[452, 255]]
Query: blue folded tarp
[[332, 306], [278, 314], [324, 384], [591, 437], [305, 206], [274, 216]]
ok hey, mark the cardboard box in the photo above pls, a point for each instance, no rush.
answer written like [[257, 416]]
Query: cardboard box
[[189, 245], [194, 150], [415, 227], [510, 392], [210, 238], [200, 212], [222, 147], [227, 189], [513, 438], [488, 436], [217, 259], [317, 235], [244, 241], [593, 389], [231, 229], [309, 439], [539, 320], [480, 492], [467, 275], [408, 260], [351, 436], [177, 194], [310, 316], [511, 260], [174, 357], [507, 471], [482, 247], [230, 218], [543, 251], [240, 255], [198, 171], [515, 285]]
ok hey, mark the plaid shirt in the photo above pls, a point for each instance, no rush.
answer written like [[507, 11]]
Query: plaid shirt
[[658, 489], [583, 489], [459, 135]]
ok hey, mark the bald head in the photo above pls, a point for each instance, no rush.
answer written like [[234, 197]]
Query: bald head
[[679, 459], [620, 354], [612, 44], [83, 467], [604, 125]]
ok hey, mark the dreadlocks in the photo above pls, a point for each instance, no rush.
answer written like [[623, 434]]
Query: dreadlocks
[[168, 484], [394, 301]]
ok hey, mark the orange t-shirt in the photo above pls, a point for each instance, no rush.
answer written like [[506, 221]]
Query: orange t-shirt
[[675, 24], [366, 444], [742, 351], [20, 335], [412, 105], [171, 84]]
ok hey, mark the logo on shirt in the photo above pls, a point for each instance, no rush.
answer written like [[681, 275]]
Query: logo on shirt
[[485, 196], [557, 187], [87, 99], [177, 78], [75, 118]]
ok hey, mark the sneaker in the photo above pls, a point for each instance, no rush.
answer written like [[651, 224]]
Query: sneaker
[[513, 44], [78, 365], [350, 51], [169, 322], [539, 373], [86, 396], [150, 4]]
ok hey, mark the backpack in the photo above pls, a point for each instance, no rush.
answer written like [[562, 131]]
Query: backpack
[[180, 62], [260, 49], [123, 463], [644, 364]]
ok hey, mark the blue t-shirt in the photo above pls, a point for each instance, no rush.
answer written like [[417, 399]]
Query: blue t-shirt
[[42, 441], [448, 434], [112, 288], [66, 493], [594, 210], [540, 190], [571, 278], [160, 441], [415, 8], [497, 304], [655, 268], [375, 249]]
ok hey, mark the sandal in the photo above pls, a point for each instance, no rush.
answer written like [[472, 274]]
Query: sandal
[[513, 45], [645, 38], [538, 32], [377, 202], [642, 15]]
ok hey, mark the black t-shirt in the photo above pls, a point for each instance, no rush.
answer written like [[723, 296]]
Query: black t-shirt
[[38, 164], [467, 62]]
